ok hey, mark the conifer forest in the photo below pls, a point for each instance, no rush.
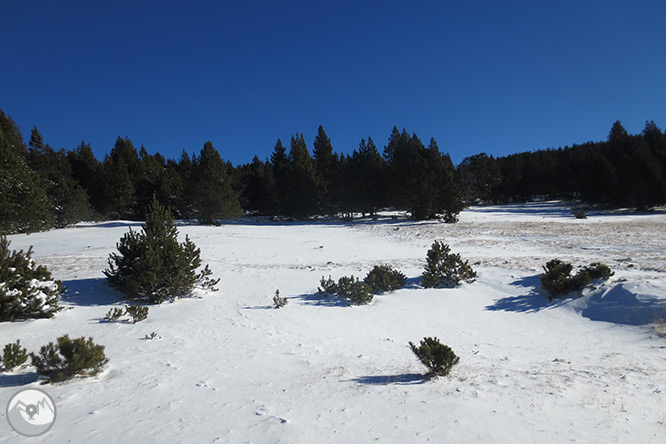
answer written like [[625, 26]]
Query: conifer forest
[[42, 188]]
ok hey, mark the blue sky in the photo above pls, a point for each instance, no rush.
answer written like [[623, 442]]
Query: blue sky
[[478, 76]]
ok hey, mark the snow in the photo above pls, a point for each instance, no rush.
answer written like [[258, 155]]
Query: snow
[[227, 367]]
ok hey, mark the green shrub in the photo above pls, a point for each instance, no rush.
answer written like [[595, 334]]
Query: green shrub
[[13, 355], [152, 266], [356, 291], [278, 301], [27, 290], [114, 314], [137, 312], [437, 357], [558, 281], [597, 270], [580, 214], [444, 268], [384, 278], [68, 358], [328, 286]]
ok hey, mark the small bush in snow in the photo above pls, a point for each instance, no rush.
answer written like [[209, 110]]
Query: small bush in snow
[[328, 286], [597, 270], [444, 268], [580, 214], [152, 266], [437, 357], [278, 301], [27, 290], [557, 279], [114, 314], [384, 278], [13, 355], [68, 358], [137, 312], [347, 287], [356, 291]]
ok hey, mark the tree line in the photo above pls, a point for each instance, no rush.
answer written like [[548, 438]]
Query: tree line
[[623, 171], [41, 187]]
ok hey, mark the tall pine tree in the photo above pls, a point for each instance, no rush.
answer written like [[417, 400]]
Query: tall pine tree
[[210, 189], [24, 206]]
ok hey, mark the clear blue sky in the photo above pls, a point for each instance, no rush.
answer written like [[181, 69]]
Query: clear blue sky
[[478, 76]]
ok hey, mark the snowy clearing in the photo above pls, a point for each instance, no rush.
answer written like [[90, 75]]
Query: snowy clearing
[[227, 367]]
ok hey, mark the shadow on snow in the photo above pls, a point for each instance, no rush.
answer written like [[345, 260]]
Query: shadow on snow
[[89, 292], [400, 379], [532, 302], [621, 306], [18, 380]]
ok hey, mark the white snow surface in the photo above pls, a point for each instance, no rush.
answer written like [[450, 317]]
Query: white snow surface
[[227, 367]]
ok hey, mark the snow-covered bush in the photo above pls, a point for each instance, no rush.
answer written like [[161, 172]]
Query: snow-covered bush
[[13, 355], [152, 266], [437, 357], [27, 290], [68, 358], [384, 278], [444, 268], [558, 281]]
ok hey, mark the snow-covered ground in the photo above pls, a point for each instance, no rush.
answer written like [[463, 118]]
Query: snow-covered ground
[[226, 367]]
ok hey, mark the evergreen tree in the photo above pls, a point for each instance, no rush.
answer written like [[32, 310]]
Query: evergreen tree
[[369, 170], [212, 195], [259, 191], [152, 266], [479, 178], [24, 206], [280, 167], [184, 168], [422, 181], [617, 133], [27, 290], [326, 163], [302, 184], [87, 172], [120, 171], [68, 200]]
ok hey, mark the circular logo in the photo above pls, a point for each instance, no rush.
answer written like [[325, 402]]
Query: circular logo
[[31, 412]]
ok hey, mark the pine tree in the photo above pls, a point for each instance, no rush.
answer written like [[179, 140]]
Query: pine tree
[[152, 266], [617, 133], [280, 166], [302, 184], [369, 170], [24, 206], [326, 163], [211, 193], [68, 200], [27, 290], [259, 191], [87, 172], [120, 170]]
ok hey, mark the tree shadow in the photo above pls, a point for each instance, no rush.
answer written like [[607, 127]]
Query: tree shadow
[[89, 292], [18, 380], [531, 302], [413, 283], [399, 379], [323, 300]]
